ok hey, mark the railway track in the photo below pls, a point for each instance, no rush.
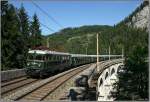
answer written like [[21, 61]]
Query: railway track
[[43, 91], [5, 83], [8, 88]]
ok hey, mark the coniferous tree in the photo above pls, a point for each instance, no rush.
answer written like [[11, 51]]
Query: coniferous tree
[[4, 10], [11, 35], [35, 32], [24, 29], [133, 82]]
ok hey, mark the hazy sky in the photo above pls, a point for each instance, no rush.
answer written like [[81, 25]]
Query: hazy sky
[[77, 13]]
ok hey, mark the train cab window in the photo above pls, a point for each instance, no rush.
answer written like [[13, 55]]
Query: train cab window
[[39, 57], [112, 71], [30, 57]]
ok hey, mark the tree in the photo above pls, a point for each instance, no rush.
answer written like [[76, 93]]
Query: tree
[[11, 41], [4, 10], [24, 29], [16, 38], [133, 82], [35, 32]]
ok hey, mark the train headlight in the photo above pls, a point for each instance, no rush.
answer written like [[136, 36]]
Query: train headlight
[[39, 65], [28, 64]]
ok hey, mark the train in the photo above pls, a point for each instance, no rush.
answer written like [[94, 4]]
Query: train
[[43, 63]]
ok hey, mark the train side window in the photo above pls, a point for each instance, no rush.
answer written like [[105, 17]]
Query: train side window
[[56, 57], [44, 58], [59, 57], [52, 58], [63, 58], [49, 56]]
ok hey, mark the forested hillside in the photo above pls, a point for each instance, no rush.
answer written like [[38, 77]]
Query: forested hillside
[[77, 40], [83, 39]]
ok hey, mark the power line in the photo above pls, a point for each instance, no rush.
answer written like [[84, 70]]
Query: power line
[[44, 25], [47, 27], [41, 23], [52, 18]]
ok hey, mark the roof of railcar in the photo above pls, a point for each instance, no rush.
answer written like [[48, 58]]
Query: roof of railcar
[[82, 55], [72, 55], [47, 52]]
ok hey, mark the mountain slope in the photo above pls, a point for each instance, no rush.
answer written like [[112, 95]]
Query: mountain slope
[[139, 17], [68, 38], [83, 39]]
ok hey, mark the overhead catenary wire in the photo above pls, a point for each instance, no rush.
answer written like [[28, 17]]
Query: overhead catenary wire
[[50, 29], [45, 26], [48, 15]]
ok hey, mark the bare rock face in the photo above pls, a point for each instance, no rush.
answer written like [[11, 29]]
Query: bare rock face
[[141, 18]]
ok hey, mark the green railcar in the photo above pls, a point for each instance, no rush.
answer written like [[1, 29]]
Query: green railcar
[[45, 63]]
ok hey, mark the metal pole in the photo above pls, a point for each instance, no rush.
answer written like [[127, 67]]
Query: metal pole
[[47, 42], [86, 50], [97, 54], [109, 52], [86, 47], [122, 52]]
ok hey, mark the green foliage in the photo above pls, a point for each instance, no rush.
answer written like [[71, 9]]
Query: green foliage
[[24, 30], [75, 40], [10, 41], [16, 38], [78, 40], [133, 82], [36, 37]]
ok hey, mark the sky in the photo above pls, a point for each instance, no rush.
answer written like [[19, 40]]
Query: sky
[[75, 13]]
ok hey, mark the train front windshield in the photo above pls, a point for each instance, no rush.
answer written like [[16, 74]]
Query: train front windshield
[[35, 60]]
